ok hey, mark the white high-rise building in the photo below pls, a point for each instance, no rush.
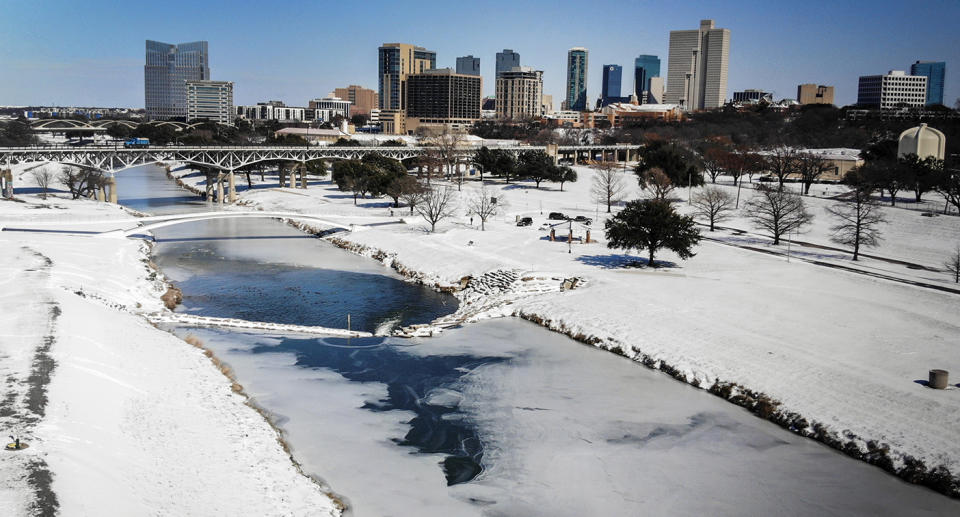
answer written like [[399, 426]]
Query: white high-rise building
[[892, 90], [210, 100], [697, 67]]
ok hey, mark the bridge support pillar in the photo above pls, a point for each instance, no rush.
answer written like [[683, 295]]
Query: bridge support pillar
[[219, 189], [100, 193], [112, 185], [575, 157], [303, 176], [232, 184], [553, 153], [6, 182]]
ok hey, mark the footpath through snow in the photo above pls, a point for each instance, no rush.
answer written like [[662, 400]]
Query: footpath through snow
[[831, 354], [121, 418]]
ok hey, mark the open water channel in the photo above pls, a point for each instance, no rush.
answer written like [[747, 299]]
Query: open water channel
[[497, 418]]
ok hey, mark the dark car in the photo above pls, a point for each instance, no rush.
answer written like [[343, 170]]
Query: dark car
[[525, 221], [557, 216], [583, 220]]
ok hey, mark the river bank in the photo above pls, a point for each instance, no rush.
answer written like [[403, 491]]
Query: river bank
[[111, 405], [823, 353]]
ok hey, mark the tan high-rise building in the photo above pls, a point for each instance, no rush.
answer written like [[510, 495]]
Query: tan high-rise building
[[396, 62], [520, 93], [697, 67], [547, 104], [362, 100], [814, 94]]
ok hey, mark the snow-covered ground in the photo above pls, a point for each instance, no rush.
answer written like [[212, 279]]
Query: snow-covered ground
[[843, 350], [121, 418]]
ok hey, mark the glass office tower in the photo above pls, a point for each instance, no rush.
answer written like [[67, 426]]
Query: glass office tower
[[165, 75], [934, 71], [577, 79], [645, 67], [610, 91]]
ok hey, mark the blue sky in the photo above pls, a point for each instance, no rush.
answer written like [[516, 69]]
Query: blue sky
[[91, 53]]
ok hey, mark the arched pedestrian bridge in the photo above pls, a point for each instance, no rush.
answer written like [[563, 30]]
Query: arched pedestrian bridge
[[147, 224]]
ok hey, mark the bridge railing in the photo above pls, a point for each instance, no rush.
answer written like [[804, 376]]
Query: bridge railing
[[319, 148]]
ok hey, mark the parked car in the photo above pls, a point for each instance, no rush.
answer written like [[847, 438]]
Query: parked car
[[557, 216], [583, 220], [525, 221]]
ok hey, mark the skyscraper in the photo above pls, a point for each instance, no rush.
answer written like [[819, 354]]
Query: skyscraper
[[468, 65], [210, 100], [520, 93], [442, 98], [576, 98], [165, 75], [697, 67], [645, 67], [506, 60], [934, 71], [397, 60], [610, 91]]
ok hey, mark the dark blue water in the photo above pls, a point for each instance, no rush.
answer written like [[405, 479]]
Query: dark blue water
[[309, 296]]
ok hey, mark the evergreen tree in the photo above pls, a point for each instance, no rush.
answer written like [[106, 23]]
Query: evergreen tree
[[652, 224]]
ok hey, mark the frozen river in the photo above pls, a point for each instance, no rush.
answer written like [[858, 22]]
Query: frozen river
[[497, 418]]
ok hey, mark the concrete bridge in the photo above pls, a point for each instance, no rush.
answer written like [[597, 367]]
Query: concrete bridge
[[228, 159]]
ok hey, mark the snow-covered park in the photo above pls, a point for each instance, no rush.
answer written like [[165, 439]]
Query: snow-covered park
[[799, 333], [841, 349]]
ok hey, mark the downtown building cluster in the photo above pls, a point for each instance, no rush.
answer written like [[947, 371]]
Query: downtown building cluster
[[177, 86], [414, 96]]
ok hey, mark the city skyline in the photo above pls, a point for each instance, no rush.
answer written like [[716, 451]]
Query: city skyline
[[107, 70]]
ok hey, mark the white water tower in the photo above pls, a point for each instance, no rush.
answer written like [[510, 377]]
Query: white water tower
[[923, 141]]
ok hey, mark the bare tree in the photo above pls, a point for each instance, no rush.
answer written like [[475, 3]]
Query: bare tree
[[777, 212], [657, 182], [43, 176], [810, 166], [81, 182], [781, 162], [608, 184], [714, 159], [484, 205], [949, 187], [953, 265], [413, 195], [858, 221], [447, 145], [713, 204], [438, 204]]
